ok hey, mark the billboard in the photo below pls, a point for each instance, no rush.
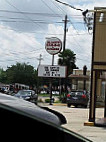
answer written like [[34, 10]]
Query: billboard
[[52, 71]]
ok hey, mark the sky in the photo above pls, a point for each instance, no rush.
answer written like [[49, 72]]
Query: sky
[[26, 24]]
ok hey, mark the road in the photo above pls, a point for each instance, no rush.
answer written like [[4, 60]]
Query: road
[[75, 122]]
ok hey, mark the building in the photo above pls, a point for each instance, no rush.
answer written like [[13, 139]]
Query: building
[[79, 81]]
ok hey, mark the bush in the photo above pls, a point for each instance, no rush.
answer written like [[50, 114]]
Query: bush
[[48, 100], [63, 98]]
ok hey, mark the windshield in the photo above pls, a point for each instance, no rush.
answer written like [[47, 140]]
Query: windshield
[[24, 93], [76, 93]]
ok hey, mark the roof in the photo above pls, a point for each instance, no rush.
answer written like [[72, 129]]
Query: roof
[[79, 77]]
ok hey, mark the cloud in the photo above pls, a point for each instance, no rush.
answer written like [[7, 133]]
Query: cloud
[[31, 13], [80, 42], [17, 47], [23, 35], [77, 41]]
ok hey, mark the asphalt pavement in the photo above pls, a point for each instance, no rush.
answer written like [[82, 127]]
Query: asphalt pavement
[[76, 117]]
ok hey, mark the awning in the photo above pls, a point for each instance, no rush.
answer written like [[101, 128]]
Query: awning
[[79, 77]]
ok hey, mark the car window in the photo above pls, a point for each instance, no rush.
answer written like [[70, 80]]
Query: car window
[[22, 93], [79, 93], [76, 93]]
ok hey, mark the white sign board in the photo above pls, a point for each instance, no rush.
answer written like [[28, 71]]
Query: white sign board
[[53, 45], [52, 71]]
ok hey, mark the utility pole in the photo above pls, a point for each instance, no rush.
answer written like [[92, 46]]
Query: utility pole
[[64, 46], [65, 30], [40, 58]]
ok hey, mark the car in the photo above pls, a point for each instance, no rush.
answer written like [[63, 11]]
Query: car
[[55, 92], [77, 98], [28, 95], [43, 92], [22, 120]]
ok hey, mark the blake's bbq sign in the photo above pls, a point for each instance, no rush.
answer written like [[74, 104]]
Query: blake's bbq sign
[[53, 45]]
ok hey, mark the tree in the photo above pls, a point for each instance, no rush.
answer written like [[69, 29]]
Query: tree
[[21, 73], [67, 58], [3, 76]]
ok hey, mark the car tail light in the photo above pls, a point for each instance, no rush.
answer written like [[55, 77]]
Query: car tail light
[[84, 96], [68, 95]]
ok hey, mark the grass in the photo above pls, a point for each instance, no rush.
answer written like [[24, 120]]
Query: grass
[[47, 100], [47, 95]]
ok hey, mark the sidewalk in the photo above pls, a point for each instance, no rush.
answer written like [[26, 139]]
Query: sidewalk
[[75, 122]]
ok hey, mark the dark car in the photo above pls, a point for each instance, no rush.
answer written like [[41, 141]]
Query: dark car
[[22, 120], [78, 98], [28, 95]]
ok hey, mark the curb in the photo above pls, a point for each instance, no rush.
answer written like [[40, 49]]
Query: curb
[[88, 123], [59, 104]]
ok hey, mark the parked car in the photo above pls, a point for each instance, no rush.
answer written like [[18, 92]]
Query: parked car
[[22, 120], [28, 95], [77, 98]]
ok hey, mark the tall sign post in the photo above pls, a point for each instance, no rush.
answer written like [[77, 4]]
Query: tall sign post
[[53, 46]]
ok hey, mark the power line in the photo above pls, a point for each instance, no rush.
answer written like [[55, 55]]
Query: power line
[[22, 13], [16, 19], [40, 22], [58, 7], [45, 33], [49, 7], [69, 5], [37, 13], [31, 13], [43, 14], [28, 18], [70, 20]]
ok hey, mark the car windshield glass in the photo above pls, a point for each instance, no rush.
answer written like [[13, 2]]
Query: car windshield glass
[[24, 93], [76, 93]]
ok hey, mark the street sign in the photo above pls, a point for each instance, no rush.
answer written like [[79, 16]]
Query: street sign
[[52, 71], [53, 45]]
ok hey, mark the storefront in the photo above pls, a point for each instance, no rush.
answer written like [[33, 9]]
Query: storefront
[[98, 71]]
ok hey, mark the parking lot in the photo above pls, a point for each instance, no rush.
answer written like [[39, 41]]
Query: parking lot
[[75, 121]]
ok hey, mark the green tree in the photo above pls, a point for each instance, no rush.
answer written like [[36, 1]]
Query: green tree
[[3, 76], [21, 73], [67, 58]]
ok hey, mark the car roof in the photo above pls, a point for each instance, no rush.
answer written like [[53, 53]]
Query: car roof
[[77, 91], [28, 109]]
